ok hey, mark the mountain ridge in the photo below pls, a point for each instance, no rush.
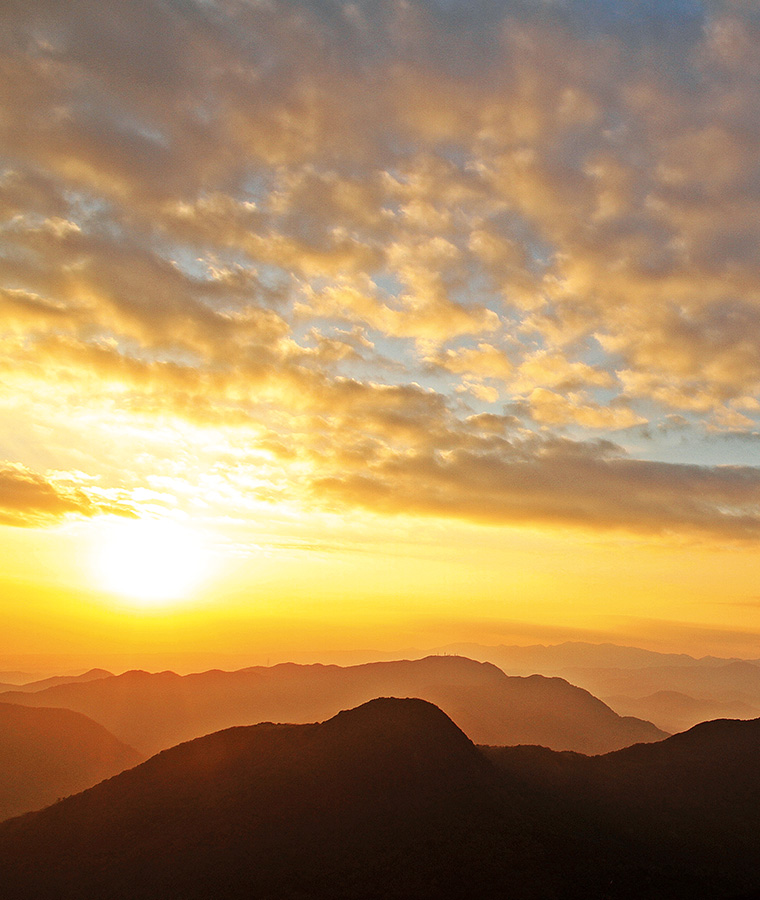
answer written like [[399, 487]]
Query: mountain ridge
[[155, 711], [257, 809], [392, 800]]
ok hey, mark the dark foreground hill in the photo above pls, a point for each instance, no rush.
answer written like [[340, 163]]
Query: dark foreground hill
[[50, 753], [387, 800], [154, 711], [391, 800], [690, 804]]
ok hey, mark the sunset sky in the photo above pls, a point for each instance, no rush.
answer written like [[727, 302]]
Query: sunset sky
[[338, 326]]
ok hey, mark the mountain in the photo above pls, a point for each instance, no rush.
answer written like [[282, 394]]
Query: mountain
[[44, 683], [674, 711], [689, 806], [556, 659], [391, 800], [46, 754], [672, 690], [154, 711], [728, 681], [361, 805]]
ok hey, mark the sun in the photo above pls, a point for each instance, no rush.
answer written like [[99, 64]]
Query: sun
[[151, 562]]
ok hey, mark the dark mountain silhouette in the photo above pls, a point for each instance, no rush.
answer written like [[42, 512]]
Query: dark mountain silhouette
[[674, 711], [377, 802], [155, 711], [46, 754], [689, 804], [391, 800]]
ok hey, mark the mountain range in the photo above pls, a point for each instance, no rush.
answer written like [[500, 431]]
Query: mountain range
[[152, 712], [391, 800], [552, 659], [673, 690], [34, 685]]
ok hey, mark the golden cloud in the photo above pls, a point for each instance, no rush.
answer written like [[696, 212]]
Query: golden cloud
[[363, 231], [558, 484], [29, 499]]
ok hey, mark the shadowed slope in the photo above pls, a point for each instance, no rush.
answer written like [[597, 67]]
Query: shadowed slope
[[390, 799], [155, 711], [690, 804], [49, 753]]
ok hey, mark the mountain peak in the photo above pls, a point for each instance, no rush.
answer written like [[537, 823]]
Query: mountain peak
[[387, 774], [393, 712], [404, 723]]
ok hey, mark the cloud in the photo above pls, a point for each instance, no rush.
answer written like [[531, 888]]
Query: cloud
[[553, 370], [29, 499], [560, 484], [483, 361], [364, 231], [551, 408]]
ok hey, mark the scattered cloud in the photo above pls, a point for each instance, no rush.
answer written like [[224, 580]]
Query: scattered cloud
[[357, 235]]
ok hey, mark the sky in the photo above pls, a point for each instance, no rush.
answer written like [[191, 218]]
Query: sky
[[335, 326]]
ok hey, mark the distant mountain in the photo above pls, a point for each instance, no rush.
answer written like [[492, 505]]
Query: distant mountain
[[637, 682], [155, 711], [555, 659], [46, 754], [43, 684], [391, 800], [727, 682], [673, 711]]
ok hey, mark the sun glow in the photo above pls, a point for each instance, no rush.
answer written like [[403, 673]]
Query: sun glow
[[150, 561]]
